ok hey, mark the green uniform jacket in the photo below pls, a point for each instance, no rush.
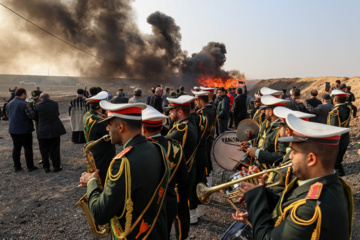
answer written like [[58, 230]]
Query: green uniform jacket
[[335, 203], [180, 180], [103, 152], [210, 111], [270, 148], [185, 132], [147, 169], [340, 116], [286, 173]]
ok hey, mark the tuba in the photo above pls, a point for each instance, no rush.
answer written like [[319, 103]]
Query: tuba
[[97, 230]]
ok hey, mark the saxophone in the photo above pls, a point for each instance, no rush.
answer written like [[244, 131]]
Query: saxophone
[[97, 230]]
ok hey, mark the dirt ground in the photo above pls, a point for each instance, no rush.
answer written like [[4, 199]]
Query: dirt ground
[[36, 205]]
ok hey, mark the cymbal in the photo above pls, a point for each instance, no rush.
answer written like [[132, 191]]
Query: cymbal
[[247, 129]]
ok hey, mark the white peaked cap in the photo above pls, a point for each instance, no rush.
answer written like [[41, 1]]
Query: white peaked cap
[[282, 112], [269, 91], [338, 92], [304, 131], [103, 95], [208, 89], [130, 111], [200, 93], [151, 114], [269, 100]]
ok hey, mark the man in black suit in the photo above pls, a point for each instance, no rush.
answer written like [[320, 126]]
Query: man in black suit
[[313, 101], [49, 130], [294, 104], [156, 100], [119, 98], [240, 109], [322, 110]]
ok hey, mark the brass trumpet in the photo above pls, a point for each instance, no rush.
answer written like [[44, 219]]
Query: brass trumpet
[[203, 192]]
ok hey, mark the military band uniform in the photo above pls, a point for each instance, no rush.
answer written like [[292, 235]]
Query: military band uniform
[[179, 177], [104, 151], [200, 160], [269, 148], [259, 116], [323, 203], [340, 116], [210, 111], [146, 174], [185, 131]]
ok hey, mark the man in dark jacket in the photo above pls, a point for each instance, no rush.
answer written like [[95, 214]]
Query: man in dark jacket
[[350, 99], [321, 111], [49, 130], [240, 110], [313, 101], [223, 109], [20, 129], [156, 100], [119, 98], [293, 105]]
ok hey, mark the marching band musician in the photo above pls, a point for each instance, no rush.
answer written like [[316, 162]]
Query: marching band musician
[[258, 114], [205, 106], [104, 151], [317, 204], [268, 148], [152, 121], [133, 196], [340, 116], [201, 158], [184, 131], [285, 131]]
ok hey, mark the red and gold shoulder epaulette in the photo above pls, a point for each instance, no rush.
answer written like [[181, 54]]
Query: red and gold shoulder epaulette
[[151, 139], [173, 140], [336, 108], [262, 111], [315, 191], [123, 152], [184, 122]]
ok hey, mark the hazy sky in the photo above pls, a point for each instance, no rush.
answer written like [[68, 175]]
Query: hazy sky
[[268, 39], [264, 38]]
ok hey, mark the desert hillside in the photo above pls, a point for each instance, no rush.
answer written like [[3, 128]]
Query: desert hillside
[[309, 83]]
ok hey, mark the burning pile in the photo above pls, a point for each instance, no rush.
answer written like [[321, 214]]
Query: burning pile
[[108, 30]]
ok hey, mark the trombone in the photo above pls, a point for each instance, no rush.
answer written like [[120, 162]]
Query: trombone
[[203, 192]]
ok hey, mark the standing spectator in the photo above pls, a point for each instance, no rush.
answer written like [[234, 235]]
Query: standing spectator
[[284, 95], [321, 111], [49, 131], [313, 101], [12, 92], [240, 110], [166, 95], [119, 98], [182, 91], [137, 96], [152, 91], [110, 96], [350, 99], [293, 104], [20, 129], [223, 109], [156, 100], [231, 114], [30, 109], [77, 110]]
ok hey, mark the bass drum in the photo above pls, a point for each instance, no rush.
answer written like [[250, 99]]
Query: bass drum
[[226, 153], [238, 231]]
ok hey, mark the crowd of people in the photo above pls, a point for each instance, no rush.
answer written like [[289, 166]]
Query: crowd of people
[[150, 185]]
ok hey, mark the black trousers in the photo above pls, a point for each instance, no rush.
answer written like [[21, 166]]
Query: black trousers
[[231, 119], [50, 148], [78, 137], [222, 125], [19, 141]]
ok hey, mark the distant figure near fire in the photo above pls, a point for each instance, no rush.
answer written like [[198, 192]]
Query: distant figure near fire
[[77, 110]]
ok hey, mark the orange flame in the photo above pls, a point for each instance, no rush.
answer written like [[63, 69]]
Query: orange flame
[[231, 82]]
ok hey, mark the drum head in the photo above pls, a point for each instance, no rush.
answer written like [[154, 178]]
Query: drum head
[[225, 150]]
